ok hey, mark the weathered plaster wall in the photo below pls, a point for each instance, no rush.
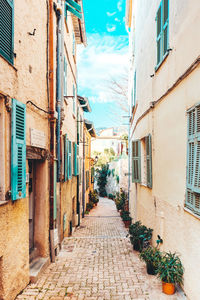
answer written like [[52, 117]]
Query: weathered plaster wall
[[162, 207]]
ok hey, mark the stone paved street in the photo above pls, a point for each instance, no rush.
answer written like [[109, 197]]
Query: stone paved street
[[97, 262]]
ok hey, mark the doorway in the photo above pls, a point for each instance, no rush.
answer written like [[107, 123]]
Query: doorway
[[31, 165]]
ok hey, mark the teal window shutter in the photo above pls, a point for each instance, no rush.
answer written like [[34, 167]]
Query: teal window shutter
[[149, 160], [69, 169], [159, 33], [65, 157], [75, 158], [136, 161], [7, 29], [18, 150], [162, 38], [74, 8], [193, 161], [65, 76]]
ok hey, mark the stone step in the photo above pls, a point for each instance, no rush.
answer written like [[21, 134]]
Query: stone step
[[37, 266]]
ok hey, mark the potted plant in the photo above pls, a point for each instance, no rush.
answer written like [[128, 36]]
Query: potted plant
[[151, 256], [170, 271], [126, 218], [139, 235]]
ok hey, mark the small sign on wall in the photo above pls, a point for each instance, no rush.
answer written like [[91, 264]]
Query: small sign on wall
[[38, 138]]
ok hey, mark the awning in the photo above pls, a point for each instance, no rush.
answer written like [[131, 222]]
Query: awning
[[84, 103], [90, 127]]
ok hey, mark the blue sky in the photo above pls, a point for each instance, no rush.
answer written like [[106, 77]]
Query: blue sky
[[105, 57]]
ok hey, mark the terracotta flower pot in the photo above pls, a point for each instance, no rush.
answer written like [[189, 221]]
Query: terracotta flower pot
[[127, 223], [168, 288]]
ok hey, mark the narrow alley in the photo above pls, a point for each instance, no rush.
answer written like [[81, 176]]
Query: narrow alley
[[97, 262]]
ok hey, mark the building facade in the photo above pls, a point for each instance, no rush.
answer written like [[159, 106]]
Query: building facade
[[39, 128], [164, 108]]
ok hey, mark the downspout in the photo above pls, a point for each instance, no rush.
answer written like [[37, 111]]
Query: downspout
[[52, 126], [58, 86], [83, 194]]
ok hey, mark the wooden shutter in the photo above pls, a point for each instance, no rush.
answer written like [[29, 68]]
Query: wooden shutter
[[75, 159], [69, 169], [65, 77], [136, 161], [66, 158], [18, 150], [149, 160], [193, 161], [7, 29], [165, 20], [159, 34]]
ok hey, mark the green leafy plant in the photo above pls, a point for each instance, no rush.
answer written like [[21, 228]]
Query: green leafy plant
[[152, 257], [102, 180], [170, 268], [93, 197], [126, 216], [139, 234]]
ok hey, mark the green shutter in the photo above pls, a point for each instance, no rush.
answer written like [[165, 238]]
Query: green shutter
[[65, 77], [193, 161], [149, 160], [18, 150], [165, 20], [7, 29], [136, 161], [65, 157], [74, 11], [75, 158], [74, 4], [159, 33], [69, 167]]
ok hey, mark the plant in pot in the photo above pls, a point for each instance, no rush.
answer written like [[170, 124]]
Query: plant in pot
[[140, 235], [170, 271], [126, 218], [151, 256]]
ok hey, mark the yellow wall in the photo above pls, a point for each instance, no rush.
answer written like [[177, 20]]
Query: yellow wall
[[162, 207]]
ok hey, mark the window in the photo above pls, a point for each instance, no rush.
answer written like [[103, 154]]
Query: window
[[87, 179], [65, 76], [69, 160], [146, 161], [75, 170], [136, 161], [7, 29], [193, 161], [18, 150], [162, 37], [65, 157]]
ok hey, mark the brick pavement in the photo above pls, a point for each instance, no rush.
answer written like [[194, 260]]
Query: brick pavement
[[97, 262]]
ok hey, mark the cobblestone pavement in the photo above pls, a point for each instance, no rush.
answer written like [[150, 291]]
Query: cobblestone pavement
[[97, 262]]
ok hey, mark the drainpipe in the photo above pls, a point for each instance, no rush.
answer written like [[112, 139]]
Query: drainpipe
[[83, 194], [58, 85], [52, 126]]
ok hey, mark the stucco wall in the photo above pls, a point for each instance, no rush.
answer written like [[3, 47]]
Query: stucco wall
[[162, 207]]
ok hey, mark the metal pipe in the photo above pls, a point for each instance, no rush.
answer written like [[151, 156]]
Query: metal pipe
[[58, 89], [52, 125]]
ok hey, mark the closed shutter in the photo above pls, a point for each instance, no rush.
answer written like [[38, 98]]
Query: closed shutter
[[7, 29], [193, 161], [69, 169], [149, 160], [75, 158], [65, 157], [165, 25], [159, 34], [136, 161], [18, 150]]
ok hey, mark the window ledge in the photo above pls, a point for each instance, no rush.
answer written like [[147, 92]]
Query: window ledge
[[187, 210], [3, 202], [160, 64]]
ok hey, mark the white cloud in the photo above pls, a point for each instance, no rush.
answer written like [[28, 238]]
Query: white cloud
[[111, 14], [119, 5], [105, 56], [117, 20], [111, 28]]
